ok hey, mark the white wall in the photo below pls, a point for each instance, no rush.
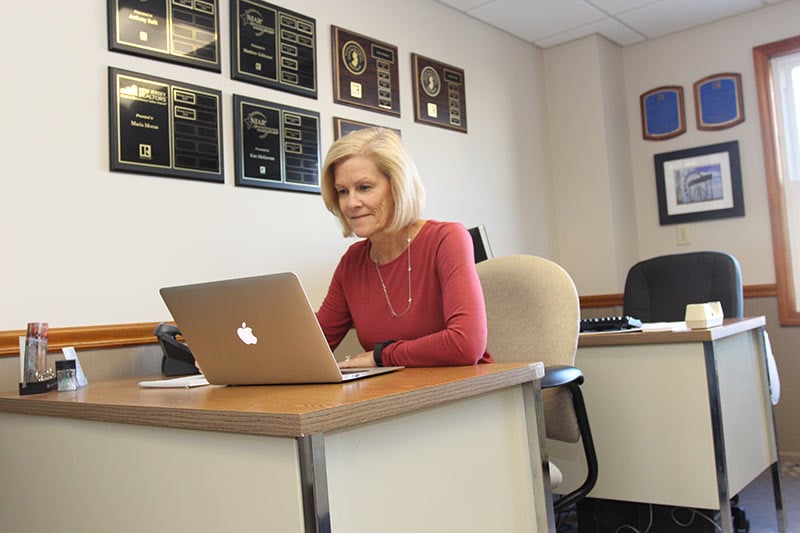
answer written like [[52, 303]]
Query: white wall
[[606, 180], [83, 246], [591, 179], [683, 59]]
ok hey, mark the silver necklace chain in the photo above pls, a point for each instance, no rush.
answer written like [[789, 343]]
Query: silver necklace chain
[[383, 285]]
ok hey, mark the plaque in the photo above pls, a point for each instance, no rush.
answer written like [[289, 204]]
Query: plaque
[[273, 47], [718, 101], [163, 127], [439, 94], [365, 72], [343, 126], [663, 115], [180, 31], [277, 146]]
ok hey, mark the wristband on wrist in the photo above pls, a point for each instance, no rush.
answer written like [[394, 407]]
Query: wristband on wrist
[[376, 353]]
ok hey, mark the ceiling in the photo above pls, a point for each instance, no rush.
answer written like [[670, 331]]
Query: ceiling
[[547, 23]]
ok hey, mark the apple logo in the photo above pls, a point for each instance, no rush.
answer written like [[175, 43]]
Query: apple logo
[[246, 334]]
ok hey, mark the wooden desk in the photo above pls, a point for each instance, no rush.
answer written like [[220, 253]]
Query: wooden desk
[[438, 449], [680, 418]]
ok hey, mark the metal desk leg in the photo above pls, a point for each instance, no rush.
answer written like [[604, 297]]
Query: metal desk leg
[[725, 518], [777, 488], [314, 479], [537, 444]]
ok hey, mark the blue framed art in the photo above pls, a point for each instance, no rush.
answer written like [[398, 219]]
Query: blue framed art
[[663, 115], [718, 101]]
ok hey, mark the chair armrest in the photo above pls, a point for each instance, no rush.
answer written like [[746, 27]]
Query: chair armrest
[[556, 376]]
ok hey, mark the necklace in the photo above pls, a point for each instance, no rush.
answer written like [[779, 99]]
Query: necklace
[[383, 285]]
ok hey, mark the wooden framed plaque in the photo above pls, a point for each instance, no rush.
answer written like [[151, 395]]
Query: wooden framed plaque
[[365, 72], [277, 146], [343, 126], [164, 127], [179, 31], [718, 101], [439, 94], [273, 47], [663, 114]]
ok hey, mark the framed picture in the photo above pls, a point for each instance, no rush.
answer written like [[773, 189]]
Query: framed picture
[[702, 183], [439, 94], [164, 127], [273, 47], [663, 115], [365, 72], [277, 146], [718, 101], [180, 32], [343, 126]]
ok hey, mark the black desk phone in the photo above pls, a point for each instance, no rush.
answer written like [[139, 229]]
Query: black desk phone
[[177, 358], [610, 323]]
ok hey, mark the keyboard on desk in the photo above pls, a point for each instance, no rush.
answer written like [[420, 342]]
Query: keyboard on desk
[[610, 323]]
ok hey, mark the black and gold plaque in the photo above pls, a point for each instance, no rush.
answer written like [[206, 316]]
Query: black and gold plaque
[[163, 127], [439, 94], [277, 146], [343, 126], [180, 31], [273, 47], [365, 72]]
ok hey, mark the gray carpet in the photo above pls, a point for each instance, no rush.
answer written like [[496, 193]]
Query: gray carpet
[[758, 501]]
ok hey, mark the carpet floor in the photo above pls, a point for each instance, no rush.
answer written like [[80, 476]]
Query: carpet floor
[[757, 500]]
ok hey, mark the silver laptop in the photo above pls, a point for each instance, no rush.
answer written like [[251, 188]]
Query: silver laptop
[[256, 331]]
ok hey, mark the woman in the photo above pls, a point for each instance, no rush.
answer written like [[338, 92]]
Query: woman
[[409, 287]]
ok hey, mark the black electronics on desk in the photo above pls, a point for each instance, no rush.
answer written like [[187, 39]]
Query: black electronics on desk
[[177, 358]]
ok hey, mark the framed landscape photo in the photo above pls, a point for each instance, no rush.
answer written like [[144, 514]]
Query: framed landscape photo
[[702, 183]]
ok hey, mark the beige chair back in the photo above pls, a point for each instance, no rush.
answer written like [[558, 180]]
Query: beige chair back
[[533, 314]]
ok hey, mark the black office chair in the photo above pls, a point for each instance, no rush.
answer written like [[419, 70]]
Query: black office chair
[[658, 289]]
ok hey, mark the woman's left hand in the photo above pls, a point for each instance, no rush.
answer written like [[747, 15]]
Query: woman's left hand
[[362, 360]]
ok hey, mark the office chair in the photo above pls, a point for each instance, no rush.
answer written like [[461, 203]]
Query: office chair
[[658, 289], [533, 314]]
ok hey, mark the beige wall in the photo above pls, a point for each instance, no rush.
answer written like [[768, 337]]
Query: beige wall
[[85, 246]]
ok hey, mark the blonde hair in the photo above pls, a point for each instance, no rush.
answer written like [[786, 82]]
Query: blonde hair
[[384, 148]]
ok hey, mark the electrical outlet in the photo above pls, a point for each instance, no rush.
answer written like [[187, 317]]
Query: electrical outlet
[[682, 234]]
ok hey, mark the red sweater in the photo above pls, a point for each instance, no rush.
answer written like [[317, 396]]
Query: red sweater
[[446, 324]]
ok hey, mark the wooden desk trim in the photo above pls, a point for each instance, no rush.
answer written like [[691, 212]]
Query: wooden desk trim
[[728, 328], [276, 410]]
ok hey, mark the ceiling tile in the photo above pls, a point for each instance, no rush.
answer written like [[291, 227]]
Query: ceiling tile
[[463, 5], [536, 19], [670, 16], [613, 7], [608, 28]]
